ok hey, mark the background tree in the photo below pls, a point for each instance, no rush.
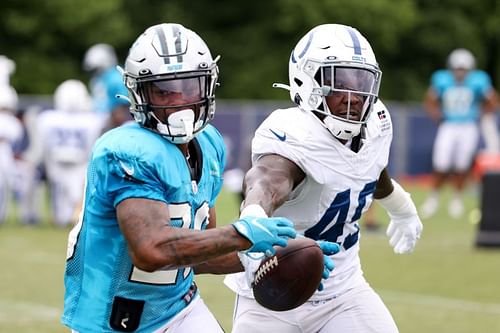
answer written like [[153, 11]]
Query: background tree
[[411, 38]]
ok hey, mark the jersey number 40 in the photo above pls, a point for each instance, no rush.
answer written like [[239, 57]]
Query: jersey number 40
[[340, 206]]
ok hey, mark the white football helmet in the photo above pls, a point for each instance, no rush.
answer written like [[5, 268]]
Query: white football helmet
[[461, 59], [7, 68], [99, 57], [8, 98], [173, 60], [72, 96], [334, 58]]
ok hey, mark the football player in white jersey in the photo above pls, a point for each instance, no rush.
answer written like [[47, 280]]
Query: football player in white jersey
[[11, 132], [321, 164], [66, 135]]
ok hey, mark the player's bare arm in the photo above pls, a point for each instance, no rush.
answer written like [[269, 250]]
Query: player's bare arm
[[384, 185], [432, 106], [269, 182], [154, 244], [491, 101], [225, 264]]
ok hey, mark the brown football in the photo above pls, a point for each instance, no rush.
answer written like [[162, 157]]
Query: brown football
[[290, 277]]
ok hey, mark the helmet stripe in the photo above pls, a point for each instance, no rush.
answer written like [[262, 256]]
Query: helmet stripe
[[178, 46], [305, 48], [355, 40], [163, 44]]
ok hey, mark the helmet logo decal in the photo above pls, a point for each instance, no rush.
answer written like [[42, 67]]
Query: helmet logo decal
[[304, 50], [355, 40], [164, 47]]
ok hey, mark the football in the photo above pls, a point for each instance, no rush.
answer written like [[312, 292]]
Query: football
[[290, 277]]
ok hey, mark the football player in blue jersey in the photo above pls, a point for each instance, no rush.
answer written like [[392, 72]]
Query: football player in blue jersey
[[455, 100], [106, 82], [321, 164], [148, 218]]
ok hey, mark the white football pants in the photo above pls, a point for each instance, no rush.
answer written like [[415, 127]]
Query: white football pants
[[455, 147], [359, 310]]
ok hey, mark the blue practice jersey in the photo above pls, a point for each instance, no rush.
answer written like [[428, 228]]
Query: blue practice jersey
[[133, 162], [461, 101], [104, 87]]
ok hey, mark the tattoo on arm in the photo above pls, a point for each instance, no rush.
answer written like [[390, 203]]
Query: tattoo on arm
[[154, 244]]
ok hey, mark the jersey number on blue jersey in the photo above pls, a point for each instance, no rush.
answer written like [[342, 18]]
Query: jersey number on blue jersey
[[458, 101], [179, 212], [340, 206]]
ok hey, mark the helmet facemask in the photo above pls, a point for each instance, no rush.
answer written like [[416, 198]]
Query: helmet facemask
[[176, 106], [345, 96], [329, 62]]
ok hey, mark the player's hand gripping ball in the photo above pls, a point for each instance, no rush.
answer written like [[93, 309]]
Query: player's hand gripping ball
[[290, 277]]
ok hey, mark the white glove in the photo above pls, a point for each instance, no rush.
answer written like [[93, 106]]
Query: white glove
[[405, 227], [404, 233]]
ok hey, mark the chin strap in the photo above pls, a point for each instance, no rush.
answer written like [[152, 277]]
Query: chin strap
[[180, 128]]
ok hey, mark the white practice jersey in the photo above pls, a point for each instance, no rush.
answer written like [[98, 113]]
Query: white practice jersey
[[338, 187], [11, 131], [66, 139]]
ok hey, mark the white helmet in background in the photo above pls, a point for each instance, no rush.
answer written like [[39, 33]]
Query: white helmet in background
[[72, 96], [8, 98], [7, 68], [461, 59], [175, 60], [334, 58], [99, 58]]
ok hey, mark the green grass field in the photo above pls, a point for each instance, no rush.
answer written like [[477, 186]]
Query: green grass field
[[447, 285]]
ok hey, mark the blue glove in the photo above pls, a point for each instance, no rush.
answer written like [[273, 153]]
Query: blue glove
[[264, 232], [328, 249]]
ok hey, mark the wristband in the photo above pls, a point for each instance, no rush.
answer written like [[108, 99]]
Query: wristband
[[253, 210], [399, 202]]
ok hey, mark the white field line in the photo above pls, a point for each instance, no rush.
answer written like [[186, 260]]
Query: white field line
[[440, 302], [26, 312]]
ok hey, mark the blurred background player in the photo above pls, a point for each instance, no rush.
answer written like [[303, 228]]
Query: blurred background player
[[106, 82], [455, 100], [11, 133], [65, 136]]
